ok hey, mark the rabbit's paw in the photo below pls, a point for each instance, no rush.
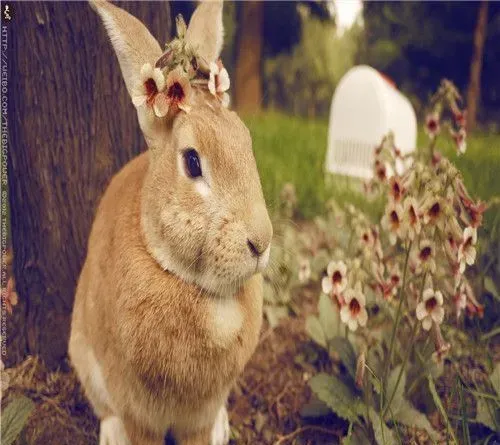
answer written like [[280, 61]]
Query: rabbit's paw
[[220, 431], [113, 432]]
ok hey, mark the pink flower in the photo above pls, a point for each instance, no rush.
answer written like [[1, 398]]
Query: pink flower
[[411, 218], [353, 312], [380, 170], [441, 347], [460, 140], [396, 189], [219, 82], [430, 309], [432, 127], [151, 83], [467, 250], [177, 94], [393, 221], [336, 279], [460, 299], [424, 257]]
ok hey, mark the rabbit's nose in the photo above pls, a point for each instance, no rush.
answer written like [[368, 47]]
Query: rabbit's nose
[[260, 232]]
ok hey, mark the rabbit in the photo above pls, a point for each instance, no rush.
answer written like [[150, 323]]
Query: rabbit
[[168, 305]]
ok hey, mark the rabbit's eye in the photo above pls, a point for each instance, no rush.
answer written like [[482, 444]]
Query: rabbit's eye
[[192, 163]]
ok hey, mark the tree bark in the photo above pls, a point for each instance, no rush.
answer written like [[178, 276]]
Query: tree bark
[[476, 65], [248, 79], [71, 127]]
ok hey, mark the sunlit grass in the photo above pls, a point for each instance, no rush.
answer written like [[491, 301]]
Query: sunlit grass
[[292, 149]]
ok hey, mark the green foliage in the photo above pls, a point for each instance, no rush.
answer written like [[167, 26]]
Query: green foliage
[[392, 283], [488, 405], [304, 79], [14, 417], [418, 43], [339, 397]]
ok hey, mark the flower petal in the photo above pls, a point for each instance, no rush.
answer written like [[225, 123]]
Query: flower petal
[[146, 71], [161, 105], [211, 84], [427, 323], [428, 293], [223, 81], [326, 285], [421, 312], [345, 314], [438, 314], [139, 100], [353, 324]]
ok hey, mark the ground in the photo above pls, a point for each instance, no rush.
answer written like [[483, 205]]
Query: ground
[[264, 407]]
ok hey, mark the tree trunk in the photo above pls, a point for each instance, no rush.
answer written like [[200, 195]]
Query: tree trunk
[[248, 81], [474, 89], [72, 126]]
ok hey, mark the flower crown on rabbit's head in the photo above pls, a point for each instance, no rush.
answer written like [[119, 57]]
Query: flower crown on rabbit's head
[[168, 86]]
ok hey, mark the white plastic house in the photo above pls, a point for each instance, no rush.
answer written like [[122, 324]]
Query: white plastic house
[[365, 107]]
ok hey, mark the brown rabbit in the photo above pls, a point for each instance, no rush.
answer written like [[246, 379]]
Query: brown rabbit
[[169, 302]]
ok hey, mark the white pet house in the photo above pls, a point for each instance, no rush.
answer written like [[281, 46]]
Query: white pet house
[[365, 107]]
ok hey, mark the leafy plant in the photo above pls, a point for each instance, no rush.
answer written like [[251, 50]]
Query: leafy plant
[[394, 285], [14, 417]]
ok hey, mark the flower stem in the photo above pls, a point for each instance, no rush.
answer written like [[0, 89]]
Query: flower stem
[[403, 367], [398, 317]]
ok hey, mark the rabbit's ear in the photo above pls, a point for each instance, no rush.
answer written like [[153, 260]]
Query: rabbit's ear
[[133, 43], [205, 32], [135, 47]]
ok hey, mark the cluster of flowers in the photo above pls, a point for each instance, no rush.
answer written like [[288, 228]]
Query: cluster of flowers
[[425, 240], [168, 86]]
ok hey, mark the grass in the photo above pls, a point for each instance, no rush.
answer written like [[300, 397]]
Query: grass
[[293, 149]]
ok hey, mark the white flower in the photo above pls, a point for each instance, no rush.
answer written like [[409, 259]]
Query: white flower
[[336, 279], [433, 211], [177, 94], [424, 257], [466, 250], [304, 270], [218, 82], [353, 312], [430, 309], [411, 218], [151, 82], [396, 189], [393, 221]]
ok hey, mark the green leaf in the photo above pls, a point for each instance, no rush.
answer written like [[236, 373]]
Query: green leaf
[[398, 398], [485, 414], [315, 331], [336, 394], [495, 378], [14, 417], [328, 316], [489, 286], [407, 415], [439, 405], [315, 408], [383, 434], [343, 347]]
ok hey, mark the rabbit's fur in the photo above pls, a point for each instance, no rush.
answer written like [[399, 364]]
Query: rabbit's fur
[[168, 306]]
